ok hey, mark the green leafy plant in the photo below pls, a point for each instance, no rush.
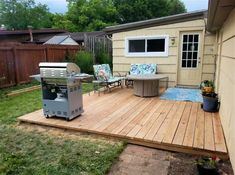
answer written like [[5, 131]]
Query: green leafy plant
[[206, 166], [102, 57], [207, 83], [84, 60], [207, 162], [208, 88]]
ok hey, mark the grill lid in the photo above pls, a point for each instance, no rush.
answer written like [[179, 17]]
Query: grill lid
[[58, 70]]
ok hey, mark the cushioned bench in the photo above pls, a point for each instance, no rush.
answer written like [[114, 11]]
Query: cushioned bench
[[141, 69]]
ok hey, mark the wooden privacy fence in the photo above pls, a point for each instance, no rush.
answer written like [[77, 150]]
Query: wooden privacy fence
[[97, 44], [18, 62]]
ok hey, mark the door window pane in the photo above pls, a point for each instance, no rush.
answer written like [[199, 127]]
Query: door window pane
[[185, 38], [184, 56], [155, 45], [195, 38], [189, 62], [189, 55], [190, 47], [194, 63], [185, 47], [136, 45], [194, 55], [183, 63], [190, 38]]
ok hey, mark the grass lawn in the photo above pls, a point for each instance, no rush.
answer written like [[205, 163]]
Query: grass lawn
[[37, 153]]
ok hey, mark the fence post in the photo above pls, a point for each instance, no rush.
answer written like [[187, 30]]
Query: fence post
[[16, 65]]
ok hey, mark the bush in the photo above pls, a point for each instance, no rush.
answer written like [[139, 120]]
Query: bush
[[85, 61], [102, 57]]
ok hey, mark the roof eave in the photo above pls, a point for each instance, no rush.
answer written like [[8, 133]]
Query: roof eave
[[156, 22], [218, 13]]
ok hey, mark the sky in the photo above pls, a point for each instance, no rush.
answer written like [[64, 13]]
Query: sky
[[60, 6]]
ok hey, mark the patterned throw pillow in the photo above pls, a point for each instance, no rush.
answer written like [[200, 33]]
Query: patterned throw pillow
[[135, 69], [103, 75]]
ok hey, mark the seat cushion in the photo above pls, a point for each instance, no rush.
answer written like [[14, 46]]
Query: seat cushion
[[102, 72]]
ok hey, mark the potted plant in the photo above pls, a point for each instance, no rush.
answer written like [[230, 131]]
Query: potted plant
[[210, 98], [207, 166]]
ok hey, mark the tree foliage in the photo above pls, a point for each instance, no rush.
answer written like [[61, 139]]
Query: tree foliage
[[61, 21], [136, 10], [85, 15], [89, 15], [19, 14]]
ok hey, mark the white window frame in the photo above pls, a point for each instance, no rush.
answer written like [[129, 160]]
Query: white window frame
[[198, 51], [149, 54]]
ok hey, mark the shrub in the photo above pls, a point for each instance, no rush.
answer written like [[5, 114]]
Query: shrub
[[85, 61], [102, 57]]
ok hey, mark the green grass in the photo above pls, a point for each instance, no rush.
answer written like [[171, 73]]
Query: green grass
[[37, 153], [13, 107], [4, 91], [33, 153]]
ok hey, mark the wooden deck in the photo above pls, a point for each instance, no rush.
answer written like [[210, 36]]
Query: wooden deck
[[170, 125]]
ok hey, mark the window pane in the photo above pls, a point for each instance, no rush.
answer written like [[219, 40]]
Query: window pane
[[185, 47], [136, 45], [195, 38], [184, 56], [189, 55], [190, 38], [189, 63], [194, 55], [155, 45], [190, 47], [183, 63], [195, 46], [194, 63], [185, 38]]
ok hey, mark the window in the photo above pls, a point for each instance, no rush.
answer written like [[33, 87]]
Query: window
[[147, 46], [190, 51]]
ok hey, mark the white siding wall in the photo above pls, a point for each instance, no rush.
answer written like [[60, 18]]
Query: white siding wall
[[225, 81], [166, 65]]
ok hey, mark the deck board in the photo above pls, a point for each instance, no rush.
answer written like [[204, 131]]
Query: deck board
[[169, 125], [180, 133]]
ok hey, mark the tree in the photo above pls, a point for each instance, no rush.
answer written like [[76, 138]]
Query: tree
[[136, 10], [19, 14], [90, 15], [61, 21]]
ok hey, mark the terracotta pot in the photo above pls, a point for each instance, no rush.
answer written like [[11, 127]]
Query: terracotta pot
[[207, 89]]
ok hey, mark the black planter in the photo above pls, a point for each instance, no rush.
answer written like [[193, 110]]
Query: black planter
[[210, 104], [207, 171]]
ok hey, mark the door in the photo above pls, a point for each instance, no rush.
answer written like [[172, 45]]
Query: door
[[189, 71]]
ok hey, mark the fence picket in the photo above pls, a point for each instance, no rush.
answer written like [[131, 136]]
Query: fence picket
[[21, 61]]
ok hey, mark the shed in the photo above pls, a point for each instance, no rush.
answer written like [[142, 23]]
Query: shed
[[61, 40], [178, 44]]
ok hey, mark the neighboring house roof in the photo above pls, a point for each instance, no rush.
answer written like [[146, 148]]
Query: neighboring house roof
[[218, 12], [64, 39], [57, 39], [157, 21], [23, 32]]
